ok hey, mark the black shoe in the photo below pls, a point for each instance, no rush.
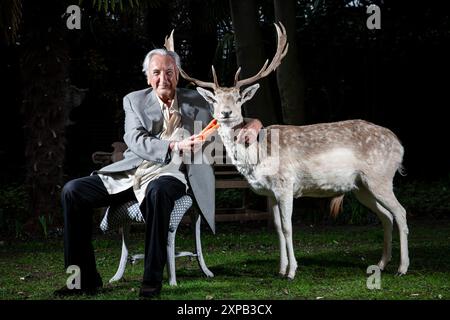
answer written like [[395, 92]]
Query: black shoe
[[150, 290]]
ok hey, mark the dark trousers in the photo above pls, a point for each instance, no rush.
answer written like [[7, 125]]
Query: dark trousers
[[81, 196]]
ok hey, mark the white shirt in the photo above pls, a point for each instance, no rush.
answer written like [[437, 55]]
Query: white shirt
[[148, 171]]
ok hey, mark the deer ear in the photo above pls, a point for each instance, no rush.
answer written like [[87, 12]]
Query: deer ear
[[249, 92], [208, 95]]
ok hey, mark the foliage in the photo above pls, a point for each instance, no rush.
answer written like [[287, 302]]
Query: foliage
[[10, 20], [14, 214], [13, 209], [111, 5], [425, 198], [228, 198], [355, 213], [420, 198], [45, 222]]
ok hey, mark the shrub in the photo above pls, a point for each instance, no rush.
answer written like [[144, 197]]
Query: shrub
[[13, 209], [425, 198]]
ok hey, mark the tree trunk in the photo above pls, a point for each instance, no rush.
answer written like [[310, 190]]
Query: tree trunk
[[45, 76], [251, 57], [290, 77]]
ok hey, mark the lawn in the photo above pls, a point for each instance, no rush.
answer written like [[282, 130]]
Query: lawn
[[244, 258]]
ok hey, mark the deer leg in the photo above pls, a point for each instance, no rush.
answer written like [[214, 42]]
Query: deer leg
[[282, 240], [367, 199], [386, 197], [285, 205]]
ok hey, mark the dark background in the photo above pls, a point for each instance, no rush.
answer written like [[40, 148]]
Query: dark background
[[395, 77]]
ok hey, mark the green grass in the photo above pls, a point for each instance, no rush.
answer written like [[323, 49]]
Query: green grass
[[332, 265]]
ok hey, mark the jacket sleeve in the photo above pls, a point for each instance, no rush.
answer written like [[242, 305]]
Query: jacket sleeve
[[140, 141], [247, 120]]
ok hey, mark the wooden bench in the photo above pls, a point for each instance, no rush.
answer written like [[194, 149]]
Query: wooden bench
[[227, 177]]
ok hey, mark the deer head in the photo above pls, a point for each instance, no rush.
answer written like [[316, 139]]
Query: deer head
[[227, 101]]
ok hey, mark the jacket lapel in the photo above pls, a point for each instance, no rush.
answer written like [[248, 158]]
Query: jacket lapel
[[153, 117], [188, 112]]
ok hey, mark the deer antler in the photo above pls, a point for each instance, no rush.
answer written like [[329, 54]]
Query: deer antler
[[281, 52], [168, 42], [170, 46], [199, 83]]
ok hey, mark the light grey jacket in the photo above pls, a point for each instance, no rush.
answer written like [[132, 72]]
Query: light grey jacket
[[143, 125]]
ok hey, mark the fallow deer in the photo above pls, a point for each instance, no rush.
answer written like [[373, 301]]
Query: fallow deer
[[320, 160]]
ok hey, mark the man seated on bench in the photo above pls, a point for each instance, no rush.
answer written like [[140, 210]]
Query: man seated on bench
[[153, 117]]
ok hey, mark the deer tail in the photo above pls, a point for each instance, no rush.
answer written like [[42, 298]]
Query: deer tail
[[336, 205]]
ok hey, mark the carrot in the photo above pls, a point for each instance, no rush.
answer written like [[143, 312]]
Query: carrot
[[210, 125], [208, 130], [206, 133]]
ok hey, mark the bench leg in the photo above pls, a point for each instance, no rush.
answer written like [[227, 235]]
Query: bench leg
[[171, 258], [198, 248], [124, 256]]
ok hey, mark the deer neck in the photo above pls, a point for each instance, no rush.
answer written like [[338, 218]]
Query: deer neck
[[239, 153]]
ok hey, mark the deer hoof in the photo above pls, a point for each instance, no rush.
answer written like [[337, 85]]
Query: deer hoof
[[403, 268], [291, 277], [402, 271]]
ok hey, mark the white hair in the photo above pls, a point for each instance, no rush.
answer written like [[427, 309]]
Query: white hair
[[162, 52]]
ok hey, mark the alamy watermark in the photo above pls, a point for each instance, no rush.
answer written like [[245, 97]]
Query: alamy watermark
[[74, 280], [74, 19], [374, 280], [374, 20]]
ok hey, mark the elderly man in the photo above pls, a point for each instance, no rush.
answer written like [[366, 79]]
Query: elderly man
[[147, 173]]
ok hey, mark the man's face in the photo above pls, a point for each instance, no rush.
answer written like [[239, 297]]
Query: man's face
[[163, 76]]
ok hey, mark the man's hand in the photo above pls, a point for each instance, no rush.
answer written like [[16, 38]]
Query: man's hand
[[249, 133], [187, 145]]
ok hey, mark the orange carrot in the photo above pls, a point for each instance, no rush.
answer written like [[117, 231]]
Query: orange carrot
[[209, 126], [208, 130], [206, 133]]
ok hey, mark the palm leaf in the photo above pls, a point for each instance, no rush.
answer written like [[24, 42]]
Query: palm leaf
[[110, 5], [10, 19]]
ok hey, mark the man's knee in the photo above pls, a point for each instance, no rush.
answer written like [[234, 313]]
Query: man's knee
[[157, 189], [70, 189]]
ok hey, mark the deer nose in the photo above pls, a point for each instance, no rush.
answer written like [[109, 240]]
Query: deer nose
[[226, 114]]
